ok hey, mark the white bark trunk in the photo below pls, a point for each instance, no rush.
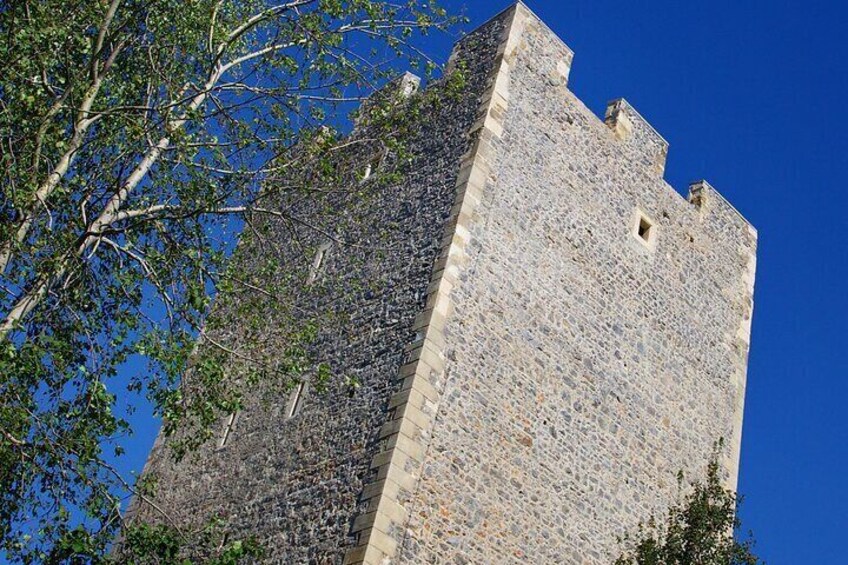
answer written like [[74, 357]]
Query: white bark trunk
[[56, 175], [80, 127], [108, 215]]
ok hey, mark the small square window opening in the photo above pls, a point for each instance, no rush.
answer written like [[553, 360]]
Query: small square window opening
[[644, 229]]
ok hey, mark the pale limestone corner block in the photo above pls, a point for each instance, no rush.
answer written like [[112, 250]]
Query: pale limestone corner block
[[494, 126], [392, 510], [621, 126], [440, 285], [399, 398], [364, 522], [437, 336], [501, 86], [355, 556], [468, 192], [398, 475], [435, 360], [416, 416], [464, 170], [408, 396], [423, 386], [399, 425], [564, 69], [383, 542], [407, 370], [413, 448], [374, 489], [443, 304], [373, 556], [389, 456]]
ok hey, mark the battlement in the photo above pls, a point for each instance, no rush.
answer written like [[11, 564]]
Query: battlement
[[393, 92], [638, 136], [706, 198], [638, 140]]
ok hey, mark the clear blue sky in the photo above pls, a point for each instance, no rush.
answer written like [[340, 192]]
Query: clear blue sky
[[751, 97]]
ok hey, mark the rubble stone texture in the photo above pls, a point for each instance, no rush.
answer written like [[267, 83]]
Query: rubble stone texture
[[555, 335]]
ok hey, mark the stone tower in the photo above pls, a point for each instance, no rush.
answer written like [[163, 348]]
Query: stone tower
[[556, 334]]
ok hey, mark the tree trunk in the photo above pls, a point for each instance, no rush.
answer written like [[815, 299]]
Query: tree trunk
[[107, 216], [80, 127]]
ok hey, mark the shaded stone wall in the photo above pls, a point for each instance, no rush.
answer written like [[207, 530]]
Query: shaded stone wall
[[583, 368], [297, 483]]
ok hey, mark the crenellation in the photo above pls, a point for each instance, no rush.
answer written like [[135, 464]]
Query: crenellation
[[637, 135], [393, 92], [710, 202]]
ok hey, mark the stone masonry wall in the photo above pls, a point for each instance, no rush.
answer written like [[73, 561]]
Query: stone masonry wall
[[534, 373], [582, 367], [297, 483]]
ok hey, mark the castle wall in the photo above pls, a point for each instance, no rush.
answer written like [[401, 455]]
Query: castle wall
[[581, 367], [297, 483], [533, 372]]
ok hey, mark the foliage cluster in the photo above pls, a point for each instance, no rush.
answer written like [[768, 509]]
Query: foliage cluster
[[137, 139], [699, 530]]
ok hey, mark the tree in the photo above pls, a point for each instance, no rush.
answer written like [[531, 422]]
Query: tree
[[698, 531], [137, 138]]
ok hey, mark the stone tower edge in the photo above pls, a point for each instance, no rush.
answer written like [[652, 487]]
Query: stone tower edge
[[413, 409]]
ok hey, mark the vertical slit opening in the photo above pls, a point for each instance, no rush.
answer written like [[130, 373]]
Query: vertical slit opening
[[228, 430], [317, 263], [296, 400]]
